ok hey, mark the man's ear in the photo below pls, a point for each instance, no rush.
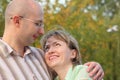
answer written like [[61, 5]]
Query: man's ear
[[73, 53], [16, 19]]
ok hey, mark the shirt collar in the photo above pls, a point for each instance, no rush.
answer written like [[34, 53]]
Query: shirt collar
[[7, 50]]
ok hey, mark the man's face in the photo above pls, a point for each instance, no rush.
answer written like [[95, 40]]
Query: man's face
[[32, 27]]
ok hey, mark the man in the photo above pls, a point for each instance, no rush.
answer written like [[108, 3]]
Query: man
[[19, 61]]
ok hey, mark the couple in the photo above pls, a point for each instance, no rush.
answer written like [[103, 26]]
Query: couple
[[20, 61]]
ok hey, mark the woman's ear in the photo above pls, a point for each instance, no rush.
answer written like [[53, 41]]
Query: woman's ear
[[73, 54]]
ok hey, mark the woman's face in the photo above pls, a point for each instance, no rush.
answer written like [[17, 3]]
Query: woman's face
[[57, 53]]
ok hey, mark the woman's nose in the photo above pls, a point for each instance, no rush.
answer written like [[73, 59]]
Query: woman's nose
[[51, 50]]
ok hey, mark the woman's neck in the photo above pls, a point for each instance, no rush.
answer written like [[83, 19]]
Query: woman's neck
[[62, 71]]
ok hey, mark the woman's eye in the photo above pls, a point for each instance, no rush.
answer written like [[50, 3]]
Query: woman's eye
[[57, 44], [46, 48]]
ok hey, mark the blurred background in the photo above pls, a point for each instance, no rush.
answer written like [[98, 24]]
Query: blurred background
[[94, 23]]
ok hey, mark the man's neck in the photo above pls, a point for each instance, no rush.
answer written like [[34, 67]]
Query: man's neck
[[16, 46]]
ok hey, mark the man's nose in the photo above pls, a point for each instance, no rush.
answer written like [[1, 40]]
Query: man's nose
[[41, 31]]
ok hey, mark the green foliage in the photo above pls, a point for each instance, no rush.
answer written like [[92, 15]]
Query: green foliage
[[89, 27], [3, 4]]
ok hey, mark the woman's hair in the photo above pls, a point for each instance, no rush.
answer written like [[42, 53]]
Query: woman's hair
[[67, 38]]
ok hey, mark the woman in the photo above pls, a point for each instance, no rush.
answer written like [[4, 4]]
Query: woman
[[62, 56]]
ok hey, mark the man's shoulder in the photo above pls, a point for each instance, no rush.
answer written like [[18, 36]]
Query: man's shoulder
[[36, 50]]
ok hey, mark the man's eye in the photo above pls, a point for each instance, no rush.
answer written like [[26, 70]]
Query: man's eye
[[38, 24]]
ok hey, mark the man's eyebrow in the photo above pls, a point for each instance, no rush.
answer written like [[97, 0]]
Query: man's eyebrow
[[39, 21]]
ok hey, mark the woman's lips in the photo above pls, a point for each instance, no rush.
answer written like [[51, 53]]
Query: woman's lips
[[53, 57]]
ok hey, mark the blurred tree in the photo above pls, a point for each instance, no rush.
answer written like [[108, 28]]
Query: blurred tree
[[88, 21], [3, 4]]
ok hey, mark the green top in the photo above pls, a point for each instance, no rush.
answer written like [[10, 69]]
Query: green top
[[77, 73]]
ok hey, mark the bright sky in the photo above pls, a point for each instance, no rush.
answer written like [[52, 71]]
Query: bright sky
[[60, 1], [53, 2]]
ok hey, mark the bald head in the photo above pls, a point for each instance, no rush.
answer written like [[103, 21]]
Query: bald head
[[21, 8]]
